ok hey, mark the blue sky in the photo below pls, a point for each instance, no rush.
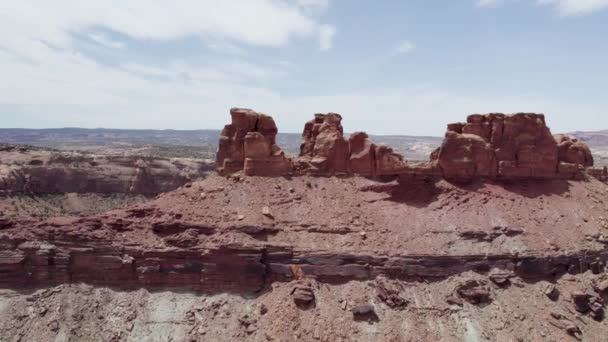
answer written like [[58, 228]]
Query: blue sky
[[389, 67]]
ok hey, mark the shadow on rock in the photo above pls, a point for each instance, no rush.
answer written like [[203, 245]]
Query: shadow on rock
[[417, 194], [365, 313]]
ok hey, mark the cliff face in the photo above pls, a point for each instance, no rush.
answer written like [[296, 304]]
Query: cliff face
[[30, 171], [291, 235], [350, 252], [249, 269], [241, 235]]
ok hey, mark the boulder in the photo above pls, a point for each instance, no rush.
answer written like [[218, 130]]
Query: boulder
[[302, 292], [573, 151], [500, 278], [551, 291], [360, 310], [588, 302], [473, 291], [390, 293]]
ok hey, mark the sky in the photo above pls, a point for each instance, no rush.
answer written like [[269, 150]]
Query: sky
[[388, 66]]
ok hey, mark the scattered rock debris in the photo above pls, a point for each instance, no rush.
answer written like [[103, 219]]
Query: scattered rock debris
[[302, 292], [475, 291]]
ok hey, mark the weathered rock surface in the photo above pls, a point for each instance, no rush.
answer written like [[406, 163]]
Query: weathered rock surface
[[249, 144], [474, 291], [303, 292], [362, 154], [325, 151], [465, 156], [493, 146], [509, 147], [226, 241], [572, 151], [324, 148], [39, 171], [86, 313]]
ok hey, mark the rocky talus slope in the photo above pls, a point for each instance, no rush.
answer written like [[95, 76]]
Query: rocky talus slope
[[501, 236]]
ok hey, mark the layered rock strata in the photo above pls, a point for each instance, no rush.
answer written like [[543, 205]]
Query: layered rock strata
[[247, 269], [39, 171], [221, 234]]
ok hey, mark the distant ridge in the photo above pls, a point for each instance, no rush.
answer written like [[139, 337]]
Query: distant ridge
[[91, 139]]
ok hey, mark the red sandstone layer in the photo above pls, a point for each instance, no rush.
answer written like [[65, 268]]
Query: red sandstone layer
[[237, 234]]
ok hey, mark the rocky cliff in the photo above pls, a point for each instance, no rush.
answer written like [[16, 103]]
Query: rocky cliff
[[24, 170], [296, 244]]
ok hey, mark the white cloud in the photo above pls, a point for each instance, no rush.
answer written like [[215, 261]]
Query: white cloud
[[404, 47], [576, 7], [103, 40], [225, 47], [564, 7], [326, 36], [41, 61], [253, 22]]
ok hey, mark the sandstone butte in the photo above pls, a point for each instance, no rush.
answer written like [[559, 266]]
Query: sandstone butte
[[492, 146], [501, 235]]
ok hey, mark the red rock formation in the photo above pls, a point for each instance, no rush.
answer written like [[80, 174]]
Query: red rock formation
[[230, 155], [573, 151], [325, 151], [464, 156], [249, 144], [324, 146], [508, 146], [489, 146], [362, 154], [388, 162]]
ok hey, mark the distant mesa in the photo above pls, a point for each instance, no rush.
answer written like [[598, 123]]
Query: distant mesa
[[491, 146]]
